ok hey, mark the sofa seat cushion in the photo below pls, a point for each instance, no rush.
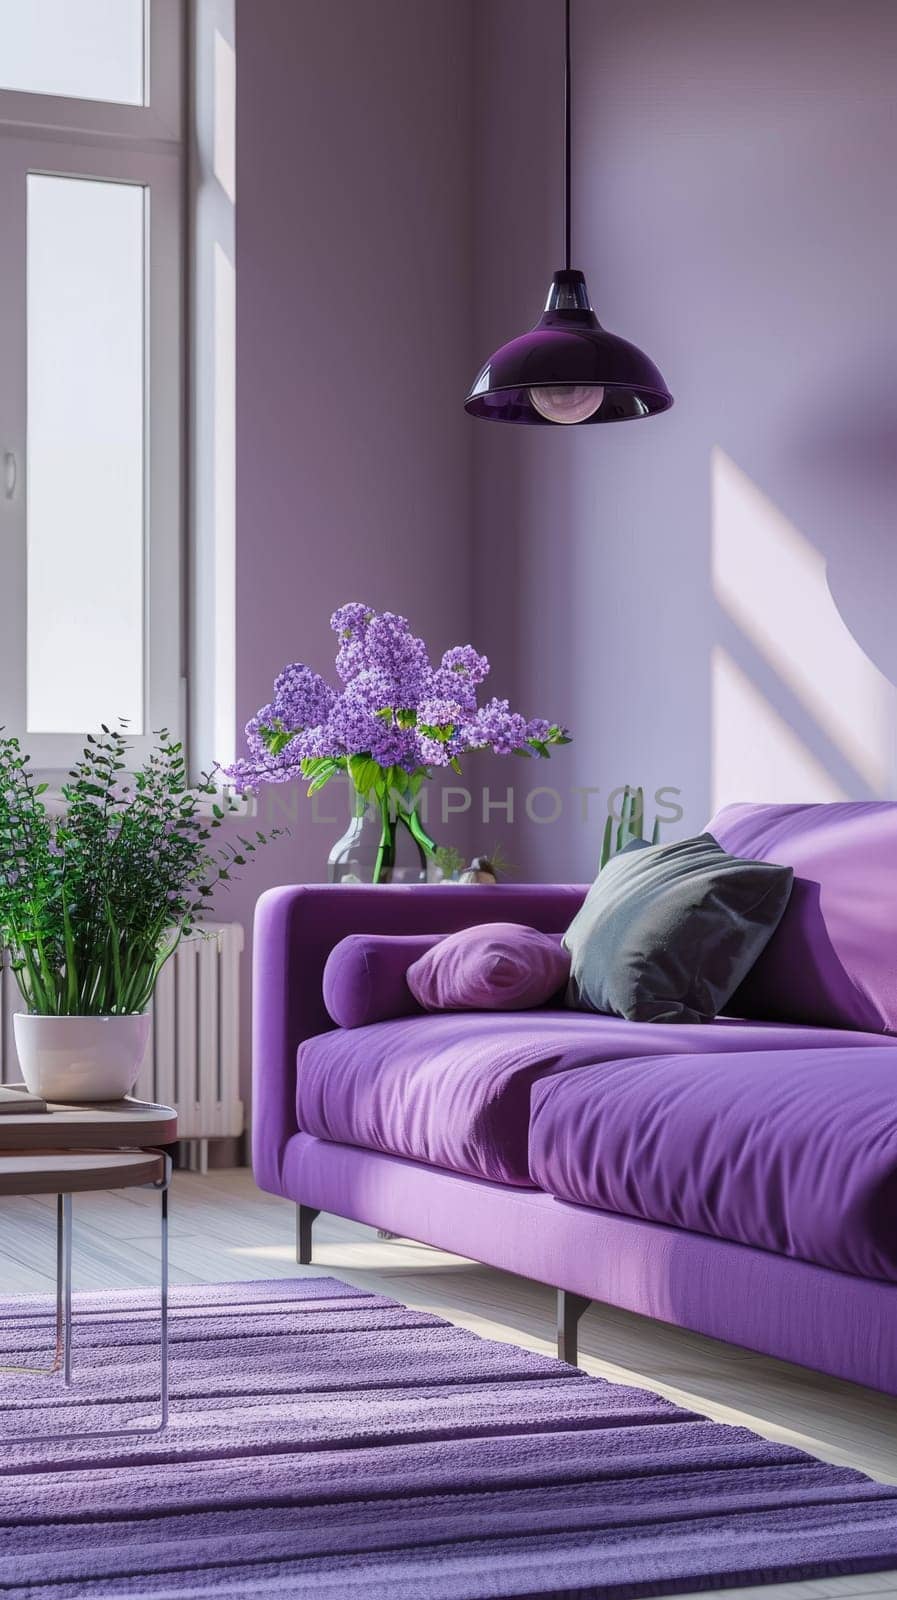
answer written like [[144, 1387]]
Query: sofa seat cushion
[[793, 1153], [453, 1089]]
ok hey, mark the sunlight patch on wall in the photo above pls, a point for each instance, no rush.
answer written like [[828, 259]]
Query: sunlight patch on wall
[[756, 754], [771, 581]]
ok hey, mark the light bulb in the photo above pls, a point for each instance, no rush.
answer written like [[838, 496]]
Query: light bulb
[[567, 402]]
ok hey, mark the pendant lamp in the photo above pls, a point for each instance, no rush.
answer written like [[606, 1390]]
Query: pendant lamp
[[567, 369]]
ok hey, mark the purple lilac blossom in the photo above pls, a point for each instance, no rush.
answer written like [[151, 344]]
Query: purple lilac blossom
[[496, 725], [389, 682], [466, 661], [439, 752], [351, 618], [373, 689], [381, 643], [264, 718], [399, 658], [349, 623], [247, 776], [437, 713], [302, 698]]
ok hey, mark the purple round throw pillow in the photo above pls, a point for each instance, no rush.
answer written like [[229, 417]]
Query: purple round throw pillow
[[497, 966]]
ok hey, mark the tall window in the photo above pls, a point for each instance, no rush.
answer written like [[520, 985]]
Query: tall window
[[92, 185]]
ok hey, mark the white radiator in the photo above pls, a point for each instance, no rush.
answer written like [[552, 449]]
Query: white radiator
[[192, 1060]]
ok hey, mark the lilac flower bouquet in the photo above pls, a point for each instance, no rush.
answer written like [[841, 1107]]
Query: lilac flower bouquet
[[395, 719]]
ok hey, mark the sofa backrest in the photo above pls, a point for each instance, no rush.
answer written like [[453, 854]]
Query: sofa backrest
[[833, 958]]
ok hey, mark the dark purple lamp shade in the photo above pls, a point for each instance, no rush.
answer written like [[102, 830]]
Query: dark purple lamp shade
[[568, 369]]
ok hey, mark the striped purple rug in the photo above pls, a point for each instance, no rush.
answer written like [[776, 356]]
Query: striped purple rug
[[325, 1441]]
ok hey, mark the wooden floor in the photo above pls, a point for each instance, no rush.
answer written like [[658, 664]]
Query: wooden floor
[[223, 1228]]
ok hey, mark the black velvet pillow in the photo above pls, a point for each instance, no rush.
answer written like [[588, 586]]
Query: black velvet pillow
[[668, 931]]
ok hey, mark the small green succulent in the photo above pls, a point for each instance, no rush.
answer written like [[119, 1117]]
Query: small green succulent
[[630, 824]]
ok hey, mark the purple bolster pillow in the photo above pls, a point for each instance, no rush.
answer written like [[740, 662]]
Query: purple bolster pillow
[[498, 966], [364, 977]]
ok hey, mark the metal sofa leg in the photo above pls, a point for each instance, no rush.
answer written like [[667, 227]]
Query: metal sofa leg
[[570, 1309], [305, 1216]]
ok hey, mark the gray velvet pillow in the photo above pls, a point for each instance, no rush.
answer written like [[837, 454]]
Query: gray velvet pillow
[[668, 931]]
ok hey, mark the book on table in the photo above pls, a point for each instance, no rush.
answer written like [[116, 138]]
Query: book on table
[[19, 1102]]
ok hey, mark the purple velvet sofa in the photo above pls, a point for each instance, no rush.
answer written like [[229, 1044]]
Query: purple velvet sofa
[[738, 1178]]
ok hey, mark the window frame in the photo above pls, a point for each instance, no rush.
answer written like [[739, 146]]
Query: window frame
[[124, 144], [161, 117]]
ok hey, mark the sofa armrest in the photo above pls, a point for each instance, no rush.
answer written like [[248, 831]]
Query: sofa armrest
[[295, 929]]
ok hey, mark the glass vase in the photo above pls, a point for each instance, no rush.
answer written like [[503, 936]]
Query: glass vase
[[382, 844]]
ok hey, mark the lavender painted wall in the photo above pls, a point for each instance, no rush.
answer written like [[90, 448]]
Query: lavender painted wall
[[705, 597], [354, 341], [354, 235]]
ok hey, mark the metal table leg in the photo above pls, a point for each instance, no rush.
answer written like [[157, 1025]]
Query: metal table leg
[[62, 1321], [66, 1289], [59, 1307], [163, 1306], [63, 1355]]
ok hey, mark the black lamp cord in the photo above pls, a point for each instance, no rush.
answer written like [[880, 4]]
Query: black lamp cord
[[568, 131]]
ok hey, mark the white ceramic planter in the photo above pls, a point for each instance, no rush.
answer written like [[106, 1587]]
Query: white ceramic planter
[[81, 1058]]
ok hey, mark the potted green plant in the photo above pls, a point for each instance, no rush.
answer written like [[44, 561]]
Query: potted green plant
[[95, 895]]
